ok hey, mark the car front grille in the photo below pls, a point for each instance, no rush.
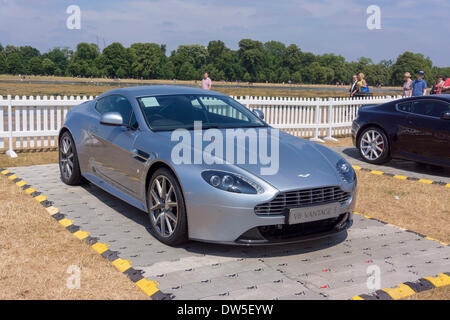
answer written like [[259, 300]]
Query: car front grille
[[302, 198]]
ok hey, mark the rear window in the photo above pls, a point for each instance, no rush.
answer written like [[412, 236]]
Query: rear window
[[406, 107]]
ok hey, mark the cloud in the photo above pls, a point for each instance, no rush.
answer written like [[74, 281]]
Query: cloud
[[319, 26]]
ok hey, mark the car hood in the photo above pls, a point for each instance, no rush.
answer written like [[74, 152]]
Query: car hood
[[300, 164]]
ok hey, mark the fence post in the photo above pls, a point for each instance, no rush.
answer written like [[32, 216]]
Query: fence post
[[10, 151], [330, 120], [317, 122]]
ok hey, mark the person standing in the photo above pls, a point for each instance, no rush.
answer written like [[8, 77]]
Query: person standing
[[206, 82], [407, 85], [363, 88], [419, 85], [446, 88], [354, 87], [438, 85]]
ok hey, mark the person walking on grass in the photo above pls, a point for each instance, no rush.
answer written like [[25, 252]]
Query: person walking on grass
[[419, 85], [407, 85], [206, 82], [354, 87]]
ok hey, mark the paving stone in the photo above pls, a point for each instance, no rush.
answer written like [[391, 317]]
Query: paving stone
[[331, 268]]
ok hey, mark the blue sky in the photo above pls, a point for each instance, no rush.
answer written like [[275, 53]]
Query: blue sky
[[318, 26]]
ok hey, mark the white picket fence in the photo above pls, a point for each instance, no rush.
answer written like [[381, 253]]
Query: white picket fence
[[34, 122]]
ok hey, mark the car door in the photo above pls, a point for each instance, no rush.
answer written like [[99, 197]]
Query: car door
[[405, 134], [429, 135], [112, 155]]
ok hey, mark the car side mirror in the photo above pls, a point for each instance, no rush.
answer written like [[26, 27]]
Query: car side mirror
[[446, 115], [111, 119], [259, 113]]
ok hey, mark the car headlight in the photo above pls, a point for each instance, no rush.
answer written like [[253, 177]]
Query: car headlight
[[345, 171], [231, 182]]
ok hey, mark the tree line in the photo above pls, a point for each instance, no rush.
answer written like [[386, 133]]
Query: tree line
[[254, 61]]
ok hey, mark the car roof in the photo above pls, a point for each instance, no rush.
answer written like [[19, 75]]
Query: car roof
[[445, 97], [158, 90]]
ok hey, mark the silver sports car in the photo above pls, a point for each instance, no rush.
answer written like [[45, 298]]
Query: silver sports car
[[204, 167]]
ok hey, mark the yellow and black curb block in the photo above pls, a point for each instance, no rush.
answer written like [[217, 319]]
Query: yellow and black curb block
[[407, 289], [400, 177], [150, 288]]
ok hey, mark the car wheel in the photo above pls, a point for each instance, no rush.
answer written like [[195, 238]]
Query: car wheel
[[373, 145], [68, 161], [166, 208]]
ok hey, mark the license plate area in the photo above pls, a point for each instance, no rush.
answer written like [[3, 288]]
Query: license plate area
[[314, 213]]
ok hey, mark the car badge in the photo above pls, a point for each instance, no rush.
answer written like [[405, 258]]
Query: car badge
[[306, 175]]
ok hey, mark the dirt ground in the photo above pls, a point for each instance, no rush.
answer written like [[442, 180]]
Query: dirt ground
[[36, 254]]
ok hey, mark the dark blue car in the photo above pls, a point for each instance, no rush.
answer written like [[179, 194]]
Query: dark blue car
[[416, 129]]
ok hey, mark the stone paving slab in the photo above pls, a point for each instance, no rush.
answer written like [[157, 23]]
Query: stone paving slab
[[397, 166], [331, 268]]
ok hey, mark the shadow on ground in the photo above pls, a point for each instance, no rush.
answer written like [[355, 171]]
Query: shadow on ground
[[261, 251], [352, 153]]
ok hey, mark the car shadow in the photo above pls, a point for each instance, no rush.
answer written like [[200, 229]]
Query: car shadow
[[232, 251], [399, 164]]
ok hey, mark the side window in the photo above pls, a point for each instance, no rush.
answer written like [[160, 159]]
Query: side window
[[101, 104], [217, 106], [406, 107], [430, 108], [133, 121], [116, 103]]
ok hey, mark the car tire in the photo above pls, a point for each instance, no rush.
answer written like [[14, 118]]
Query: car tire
[[373, 146], [166, 208], [69, 166]]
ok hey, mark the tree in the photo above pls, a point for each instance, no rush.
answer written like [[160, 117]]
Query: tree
[[297, 77], [48, 66], [9, 49], [60, 57], [86, 52], [35, 65], [14, 64], [147, 60], [27, 53], [196, 55], [412, 63], [168, 70], [275, 55], [117, 57], [251, 54], [187, 71], [293, 57], [3, 68]]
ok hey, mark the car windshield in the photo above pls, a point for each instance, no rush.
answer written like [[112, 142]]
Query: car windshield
[[166, 113]]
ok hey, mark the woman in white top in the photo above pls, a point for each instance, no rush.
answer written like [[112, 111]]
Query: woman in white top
[[407, 85]]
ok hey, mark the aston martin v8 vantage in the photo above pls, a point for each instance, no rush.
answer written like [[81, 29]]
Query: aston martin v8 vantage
[[152, 148]]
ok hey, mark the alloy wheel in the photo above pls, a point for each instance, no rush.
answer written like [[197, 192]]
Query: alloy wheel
[[372, 145], [66, 157], [164, 206]]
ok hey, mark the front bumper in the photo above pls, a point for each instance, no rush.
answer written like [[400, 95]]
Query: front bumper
[[241, 226], [286, 234]]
